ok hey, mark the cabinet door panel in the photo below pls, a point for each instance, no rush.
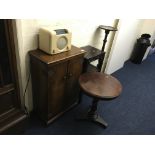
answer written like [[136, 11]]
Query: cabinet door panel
[[56, 88], [74, 71]]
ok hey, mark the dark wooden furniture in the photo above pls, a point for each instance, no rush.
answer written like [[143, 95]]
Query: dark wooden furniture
[[107, 30], [55, 81], [91, 55], [94, 53], [100, 86], [12, 117]]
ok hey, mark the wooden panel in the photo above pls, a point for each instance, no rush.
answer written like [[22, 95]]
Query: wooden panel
[[50, 59], [74, 71], [8, 66], [39, 87], [13, 122], [6, 89], [7, 102], [1, 78], [55, 81], [8, 98], [57, 77], [5, 73], [9, 32], [9, 84]]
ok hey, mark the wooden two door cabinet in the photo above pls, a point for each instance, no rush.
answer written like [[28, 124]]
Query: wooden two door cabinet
[[55, 81]]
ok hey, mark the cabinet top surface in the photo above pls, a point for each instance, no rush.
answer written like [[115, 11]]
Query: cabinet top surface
[[47, 59]]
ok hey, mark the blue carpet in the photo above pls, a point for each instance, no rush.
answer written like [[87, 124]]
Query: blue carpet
[[132, 113]]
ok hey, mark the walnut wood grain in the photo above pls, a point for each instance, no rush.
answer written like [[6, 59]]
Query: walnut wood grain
[[55, 81], [1, 78], [12, 117], [6, 89], [100, 85], [50, 59]]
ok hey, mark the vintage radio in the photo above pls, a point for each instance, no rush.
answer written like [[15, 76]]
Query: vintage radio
[[53, 41]]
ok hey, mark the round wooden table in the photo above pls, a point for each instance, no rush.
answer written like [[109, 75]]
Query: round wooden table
[[100, 86]]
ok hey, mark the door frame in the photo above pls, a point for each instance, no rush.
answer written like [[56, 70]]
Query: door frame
[[9, 30]]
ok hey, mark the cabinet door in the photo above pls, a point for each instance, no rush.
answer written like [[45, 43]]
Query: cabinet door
[[56, 88], [74, 71]]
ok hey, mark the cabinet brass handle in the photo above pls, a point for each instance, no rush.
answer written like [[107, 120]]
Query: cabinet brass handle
[[69, 75]]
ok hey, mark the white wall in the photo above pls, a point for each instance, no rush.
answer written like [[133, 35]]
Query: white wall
[[128, 31], [84, 32], [148, 27]]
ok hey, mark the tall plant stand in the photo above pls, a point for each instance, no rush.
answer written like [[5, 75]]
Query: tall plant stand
[[107, 30]]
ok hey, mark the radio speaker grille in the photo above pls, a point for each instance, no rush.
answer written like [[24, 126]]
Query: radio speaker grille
[[62, 43]]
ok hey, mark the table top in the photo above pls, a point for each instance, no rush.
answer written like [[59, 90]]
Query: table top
[[48, 59], [100, 85], [92, 53], [110, 28]]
